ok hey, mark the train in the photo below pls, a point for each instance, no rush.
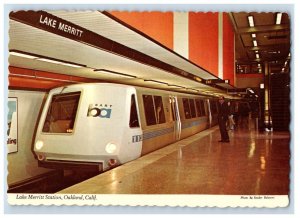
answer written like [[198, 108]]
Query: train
[[97, 126]]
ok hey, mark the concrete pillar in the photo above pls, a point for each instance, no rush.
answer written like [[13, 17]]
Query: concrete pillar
[[181, 33], [267, 101], [220, 45]]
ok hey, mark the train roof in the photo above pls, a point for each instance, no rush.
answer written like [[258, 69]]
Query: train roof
[[140, 88]]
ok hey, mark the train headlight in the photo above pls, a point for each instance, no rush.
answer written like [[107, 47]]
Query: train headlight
[[39, 144], [110, 148]]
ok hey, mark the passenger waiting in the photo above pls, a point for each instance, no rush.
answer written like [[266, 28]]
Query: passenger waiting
[[230, 123]]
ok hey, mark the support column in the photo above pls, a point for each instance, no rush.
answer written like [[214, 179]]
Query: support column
[[220, 46], [267, 102], [181, 33]]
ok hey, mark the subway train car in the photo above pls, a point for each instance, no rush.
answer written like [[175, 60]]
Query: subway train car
[[97, 126]]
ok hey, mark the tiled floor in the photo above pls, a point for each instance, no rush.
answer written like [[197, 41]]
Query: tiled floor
[[252, 163]]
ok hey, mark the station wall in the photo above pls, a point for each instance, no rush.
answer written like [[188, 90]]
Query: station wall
[[203, 40], [228, 50], [249, 80], [202, 31], [157, 25], [21, 164]]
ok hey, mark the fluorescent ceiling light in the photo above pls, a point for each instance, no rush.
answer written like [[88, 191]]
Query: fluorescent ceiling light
[[113, 73], [253, 35], [198, 79], [70, 65], [254, 43], [278, 18], [195, 90], [251, 21], [59, 62], [41, 58], [23, 55], [176, 86], [262, 86], [257, 56], [155, 81]]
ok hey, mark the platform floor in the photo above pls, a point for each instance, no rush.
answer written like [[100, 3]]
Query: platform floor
[[252, 163]]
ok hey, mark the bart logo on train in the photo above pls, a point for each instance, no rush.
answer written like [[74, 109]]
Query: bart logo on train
[[99, 110]]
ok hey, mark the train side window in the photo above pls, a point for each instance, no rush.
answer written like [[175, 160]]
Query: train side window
[[213, 107], [198, 108], [202, 108], [186, 108], [149, 110], [192, 107], [134, 119], [159, 108], [216, 107]]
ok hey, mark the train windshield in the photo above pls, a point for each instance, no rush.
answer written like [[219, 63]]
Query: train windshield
[[61, 113]]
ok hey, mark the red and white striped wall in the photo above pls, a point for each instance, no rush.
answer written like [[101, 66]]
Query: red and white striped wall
[[207, 39]]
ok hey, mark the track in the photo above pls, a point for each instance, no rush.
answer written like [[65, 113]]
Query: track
[[51, 182]]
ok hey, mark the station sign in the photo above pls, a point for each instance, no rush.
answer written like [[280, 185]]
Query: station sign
[[49, 22], [216, 81]]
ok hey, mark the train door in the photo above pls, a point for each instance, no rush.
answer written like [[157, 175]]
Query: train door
[[209, 113], [134, 132], [176, 117]]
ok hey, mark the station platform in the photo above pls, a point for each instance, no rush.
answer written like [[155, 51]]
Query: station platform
[[253, 163]]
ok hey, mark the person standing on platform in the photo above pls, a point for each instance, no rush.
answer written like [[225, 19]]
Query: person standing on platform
[[230, 123], [222, 119]]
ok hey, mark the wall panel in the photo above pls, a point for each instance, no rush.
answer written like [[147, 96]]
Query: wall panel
[[157, 25], [203, 40]]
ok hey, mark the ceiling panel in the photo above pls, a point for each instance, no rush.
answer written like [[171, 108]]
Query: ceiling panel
[[123, 35], [273, 41], [36, 41]]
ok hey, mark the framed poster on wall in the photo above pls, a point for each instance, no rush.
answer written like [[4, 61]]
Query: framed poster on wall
[[12, 125]]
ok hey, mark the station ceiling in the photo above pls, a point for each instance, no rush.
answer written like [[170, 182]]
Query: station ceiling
[[115, 53], [273, 40], [123, 55]]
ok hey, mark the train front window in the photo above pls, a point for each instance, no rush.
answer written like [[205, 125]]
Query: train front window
[[61, 113]]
